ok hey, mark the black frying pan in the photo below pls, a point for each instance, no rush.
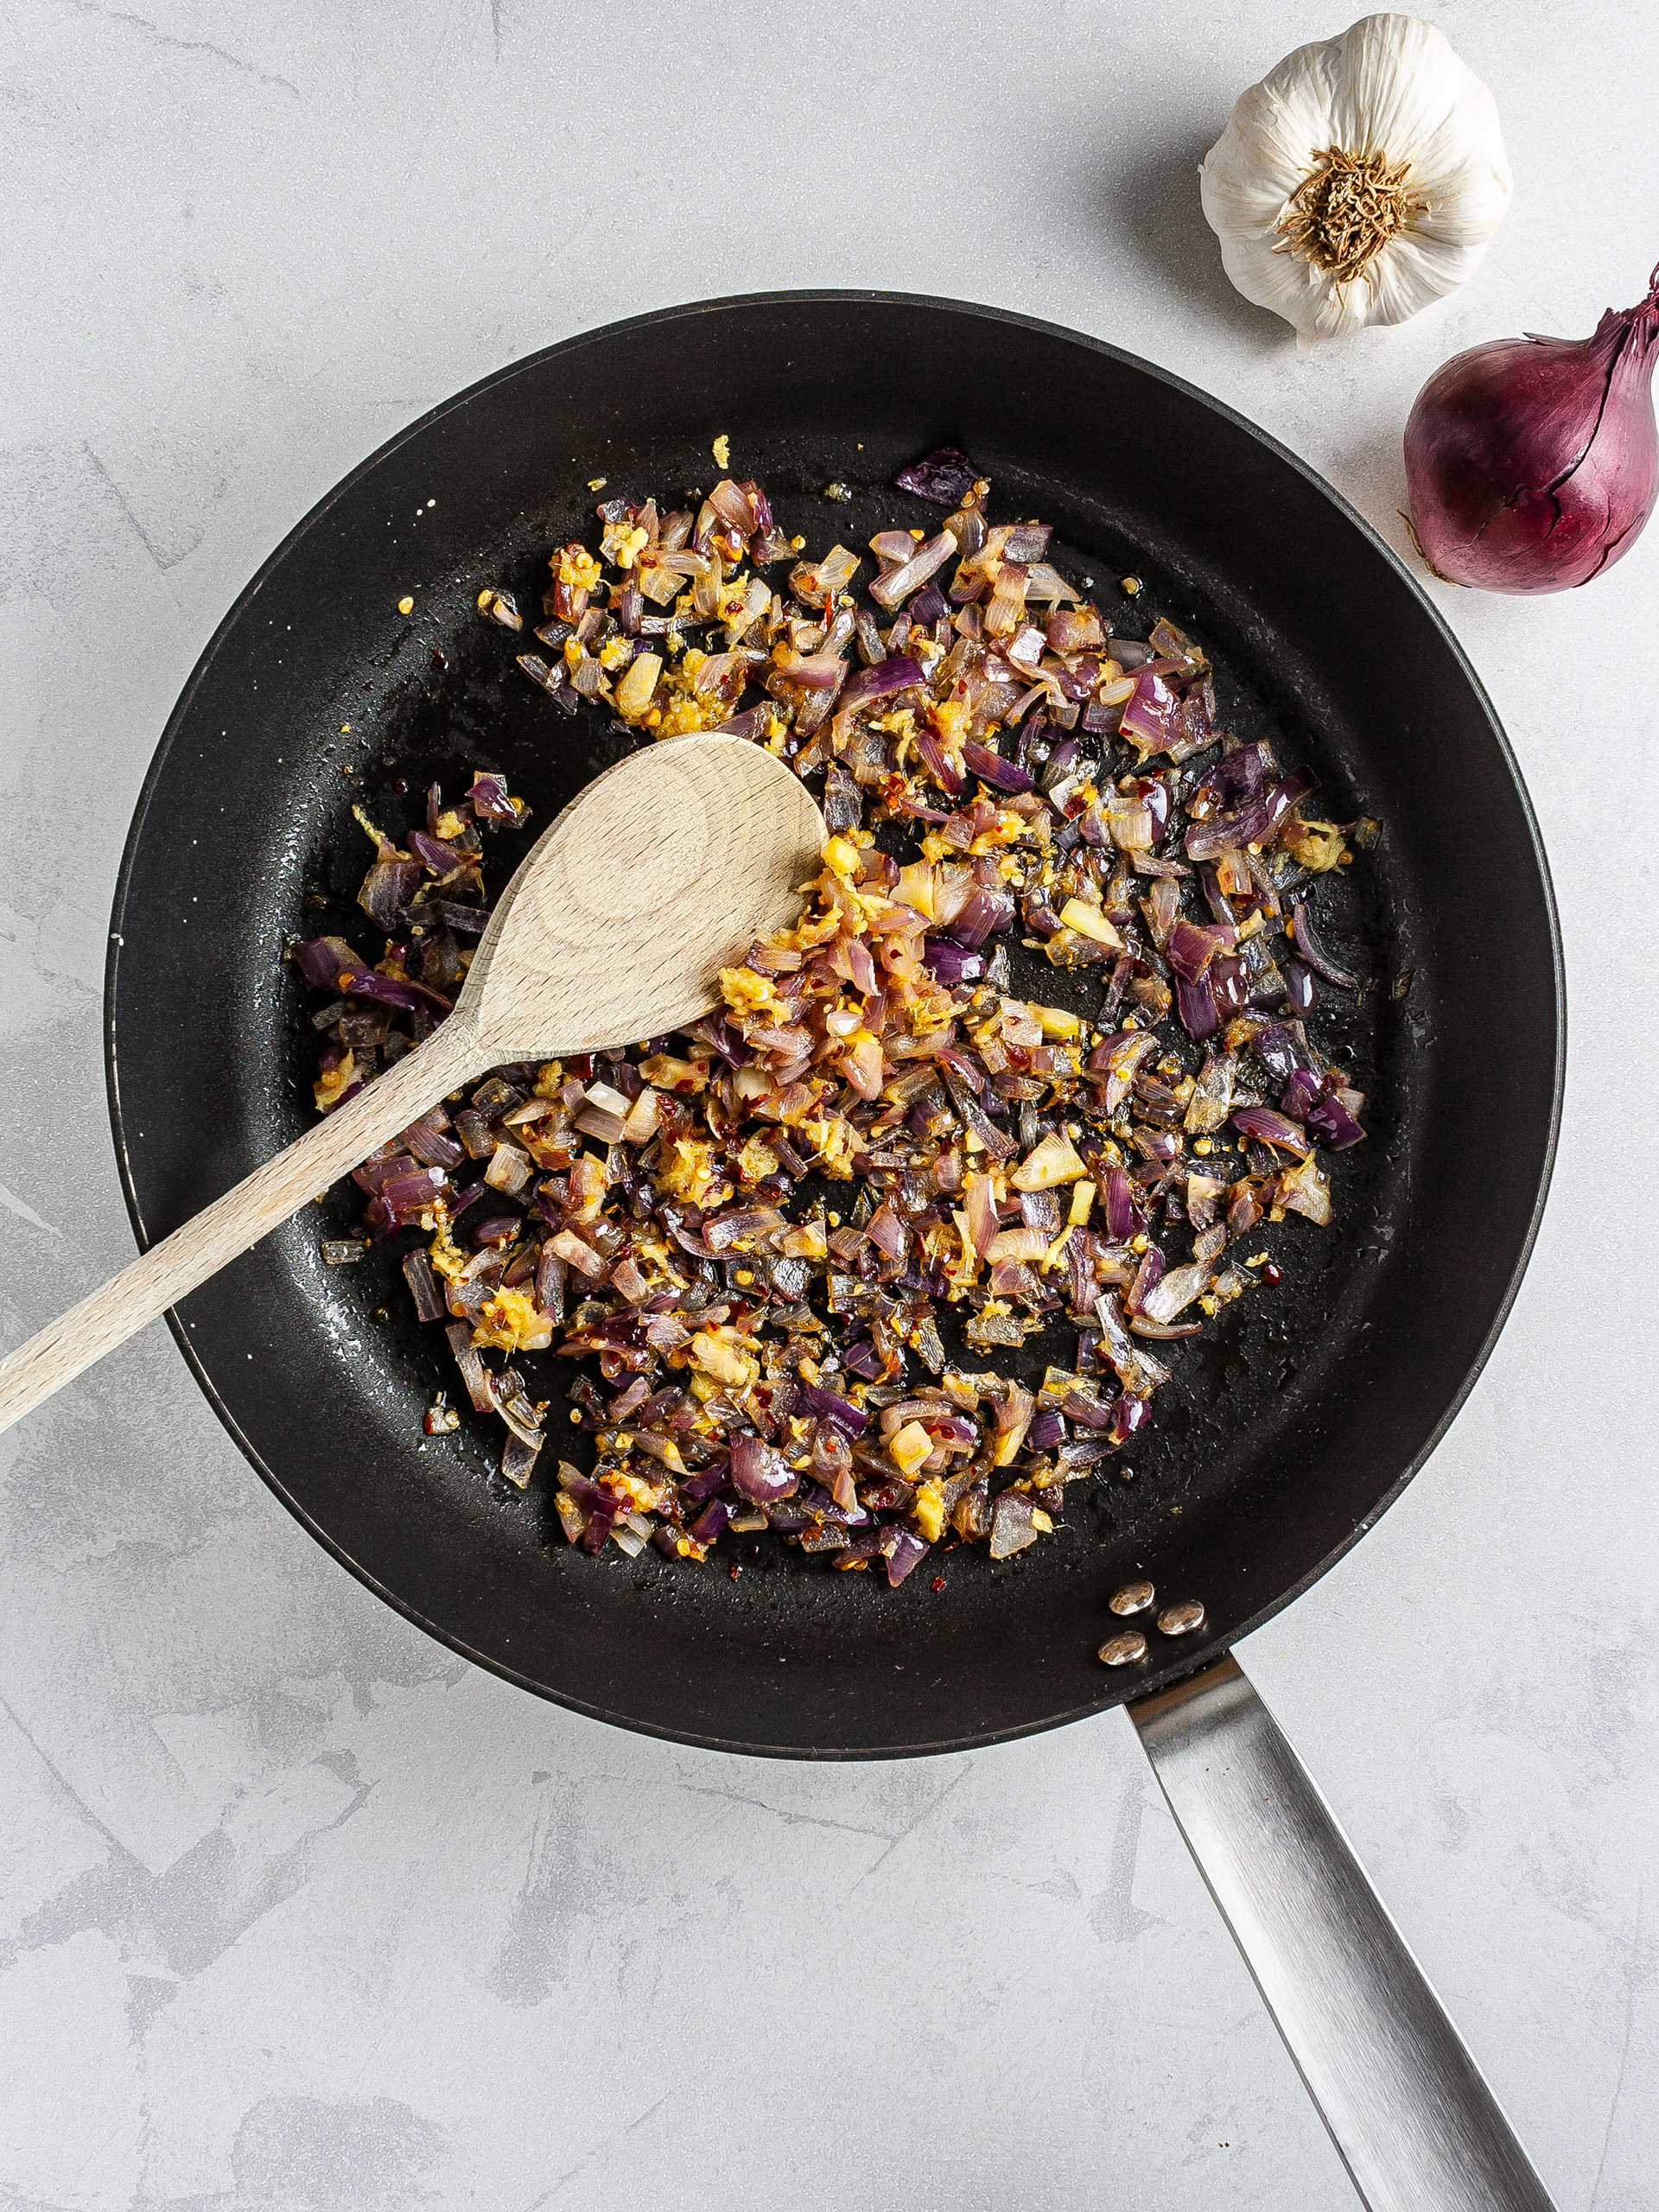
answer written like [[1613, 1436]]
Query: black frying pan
[[1303, 1413]]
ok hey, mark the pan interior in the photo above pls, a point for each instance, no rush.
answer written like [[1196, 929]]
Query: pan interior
[[1297, 1416]]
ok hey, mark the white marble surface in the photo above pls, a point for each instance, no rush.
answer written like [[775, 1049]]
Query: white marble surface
[[296, 1910]]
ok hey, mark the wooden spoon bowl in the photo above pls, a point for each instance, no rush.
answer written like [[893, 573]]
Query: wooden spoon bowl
[[661, 873]]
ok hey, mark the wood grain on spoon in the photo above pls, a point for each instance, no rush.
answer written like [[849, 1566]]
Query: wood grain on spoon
[[661, 873]]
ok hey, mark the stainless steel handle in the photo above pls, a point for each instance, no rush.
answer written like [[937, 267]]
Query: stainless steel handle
[[1417, 2127]]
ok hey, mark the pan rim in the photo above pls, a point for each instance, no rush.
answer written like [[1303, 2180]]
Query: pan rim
[[655, 320]]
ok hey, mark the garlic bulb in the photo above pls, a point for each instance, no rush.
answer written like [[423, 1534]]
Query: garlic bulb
[[1358, 181]]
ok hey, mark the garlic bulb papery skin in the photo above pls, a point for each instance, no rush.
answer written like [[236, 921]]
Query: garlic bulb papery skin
[[1358, 181]]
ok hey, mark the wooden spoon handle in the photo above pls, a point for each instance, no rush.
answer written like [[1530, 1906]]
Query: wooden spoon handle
[[201, 1247]]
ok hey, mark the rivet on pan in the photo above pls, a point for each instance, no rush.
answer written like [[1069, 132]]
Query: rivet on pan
[[1123, 1650], [1181, 1620], [1133, 1597]]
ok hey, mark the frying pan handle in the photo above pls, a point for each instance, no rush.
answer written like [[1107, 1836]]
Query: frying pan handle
[[1416, 2126]]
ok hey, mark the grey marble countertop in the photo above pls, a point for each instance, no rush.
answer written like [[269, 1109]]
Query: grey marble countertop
[[298, 1910]]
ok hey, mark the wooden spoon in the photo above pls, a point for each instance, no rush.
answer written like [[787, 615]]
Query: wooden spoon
[[662, 872]]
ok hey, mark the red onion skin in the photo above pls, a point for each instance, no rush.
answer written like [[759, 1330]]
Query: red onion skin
[[1532, 463]]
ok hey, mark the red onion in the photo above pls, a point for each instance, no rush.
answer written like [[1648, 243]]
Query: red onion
[[1532, 463]]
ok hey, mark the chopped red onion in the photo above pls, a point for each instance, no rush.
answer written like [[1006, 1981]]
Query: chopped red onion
[[1266, 1127], [946, 477], [896, 673], [1196, 1007], [1333, 1123], [1314, 953], [983, 1153], [891, 590]]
